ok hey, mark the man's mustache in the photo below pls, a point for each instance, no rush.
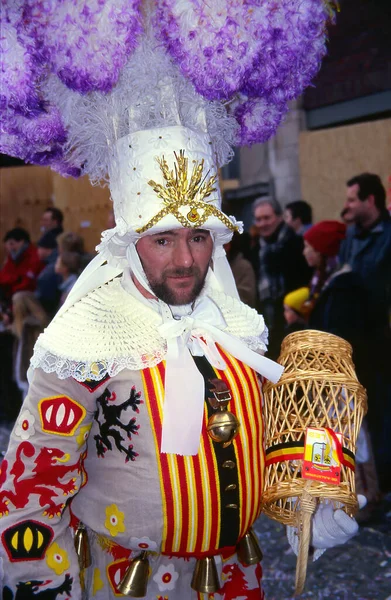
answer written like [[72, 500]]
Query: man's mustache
[[182, 272]]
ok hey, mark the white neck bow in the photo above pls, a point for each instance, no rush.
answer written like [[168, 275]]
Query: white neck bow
[[198, 334]]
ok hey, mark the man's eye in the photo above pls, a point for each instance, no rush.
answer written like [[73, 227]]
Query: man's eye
[[199, 238], [161, 241]]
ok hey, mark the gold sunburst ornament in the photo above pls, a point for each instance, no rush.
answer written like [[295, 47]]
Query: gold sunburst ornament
[[178, 191]]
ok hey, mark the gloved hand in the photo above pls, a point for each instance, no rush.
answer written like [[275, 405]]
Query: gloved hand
[[333, 527], [329, 528]]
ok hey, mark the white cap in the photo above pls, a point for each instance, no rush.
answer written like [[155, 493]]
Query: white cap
[[162, 179]]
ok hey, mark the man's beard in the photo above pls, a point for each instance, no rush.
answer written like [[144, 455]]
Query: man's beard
[[174, 297]]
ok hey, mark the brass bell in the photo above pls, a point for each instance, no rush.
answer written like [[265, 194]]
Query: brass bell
[[248, 550], [222, 426], [205, 577], [135, 581], [82, 547]]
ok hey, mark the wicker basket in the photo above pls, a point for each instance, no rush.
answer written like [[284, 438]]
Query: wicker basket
[[318, 388]]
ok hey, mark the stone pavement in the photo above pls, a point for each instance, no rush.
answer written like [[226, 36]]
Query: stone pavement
[[359, 570]]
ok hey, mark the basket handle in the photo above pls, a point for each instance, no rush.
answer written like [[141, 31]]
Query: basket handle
[[307, 508]]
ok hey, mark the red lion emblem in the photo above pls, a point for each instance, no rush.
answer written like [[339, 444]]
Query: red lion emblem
[[50, 469]]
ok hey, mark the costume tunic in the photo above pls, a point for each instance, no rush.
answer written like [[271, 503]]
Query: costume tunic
[[89, 451]]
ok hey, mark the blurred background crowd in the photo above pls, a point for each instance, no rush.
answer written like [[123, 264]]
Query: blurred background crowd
[[35, 279]]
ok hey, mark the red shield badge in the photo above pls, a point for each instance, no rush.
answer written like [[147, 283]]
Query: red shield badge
[[116, 572], [60, 415]]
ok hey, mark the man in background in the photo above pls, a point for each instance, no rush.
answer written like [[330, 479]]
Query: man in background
[[52, 220], [367, 247], [298, 216], [367, 250], [279, 265]]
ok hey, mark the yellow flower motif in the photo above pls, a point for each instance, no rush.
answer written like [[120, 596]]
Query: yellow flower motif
[[83, 435], [114, 520], [97, 583], [57, 559]]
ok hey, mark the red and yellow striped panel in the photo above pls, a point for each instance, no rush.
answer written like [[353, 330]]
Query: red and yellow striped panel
[[247, 405], [190, 484]]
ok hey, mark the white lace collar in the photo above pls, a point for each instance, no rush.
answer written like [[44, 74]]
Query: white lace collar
[[110, 330]]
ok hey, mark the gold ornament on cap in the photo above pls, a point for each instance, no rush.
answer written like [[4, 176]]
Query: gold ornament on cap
[[222, 426], [193, 216], [205, 577], [178, 191], [135, 581]]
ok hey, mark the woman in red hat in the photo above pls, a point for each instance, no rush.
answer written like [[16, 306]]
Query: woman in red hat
[[337, 297], [338, 301], [321, 246]]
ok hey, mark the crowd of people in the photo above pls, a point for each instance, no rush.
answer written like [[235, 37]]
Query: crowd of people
[[34, 282], [334, 276]]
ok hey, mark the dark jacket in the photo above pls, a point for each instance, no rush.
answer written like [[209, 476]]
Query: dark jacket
[[369, 255], [281, 259], [344, 309], [57, 230]]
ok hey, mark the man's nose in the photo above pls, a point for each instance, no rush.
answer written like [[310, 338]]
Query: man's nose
[[183, 256]]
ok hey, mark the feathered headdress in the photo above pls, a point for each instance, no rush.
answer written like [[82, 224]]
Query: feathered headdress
[[72, 69]]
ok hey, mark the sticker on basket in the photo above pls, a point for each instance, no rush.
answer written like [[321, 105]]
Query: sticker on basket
[[322, 456]]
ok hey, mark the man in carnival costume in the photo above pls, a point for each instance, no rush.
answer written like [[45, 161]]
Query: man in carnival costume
[[136, 465]]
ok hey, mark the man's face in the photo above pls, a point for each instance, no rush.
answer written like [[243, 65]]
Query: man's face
[[266, 220], [13, 246], [294, 224], [355, 210], [176, 263], [47, 221]]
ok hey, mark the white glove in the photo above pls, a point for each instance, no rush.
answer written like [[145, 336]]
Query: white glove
[[333, 527], [329, 528]]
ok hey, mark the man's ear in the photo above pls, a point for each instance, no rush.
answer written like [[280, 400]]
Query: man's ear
[[371, 200]]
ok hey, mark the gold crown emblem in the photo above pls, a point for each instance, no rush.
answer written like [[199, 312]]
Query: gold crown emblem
[[179, 191]]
